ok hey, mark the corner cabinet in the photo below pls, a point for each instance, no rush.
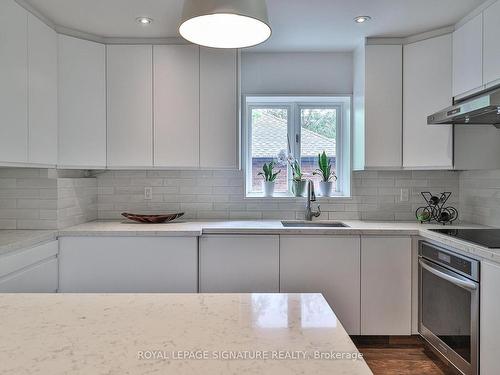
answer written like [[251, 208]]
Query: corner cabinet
[[491, 51], [82, 103], [427, 83], [377, 103], [328, 265], [468, 57], [130, 105]]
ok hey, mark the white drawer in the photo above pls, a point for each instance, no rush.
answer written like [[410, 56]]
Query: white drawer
[[23, 258], [41, 278]]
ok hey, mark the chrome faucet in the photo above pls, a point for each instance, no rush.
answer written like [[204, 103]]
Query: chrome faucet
[[311, 197]]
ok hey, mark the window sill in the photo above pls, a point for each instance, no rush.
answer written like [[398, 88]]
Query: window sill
[[289, 197]]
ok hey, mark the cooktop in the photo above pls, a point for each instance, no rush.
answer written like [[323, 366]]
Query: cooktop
[[489, 238]]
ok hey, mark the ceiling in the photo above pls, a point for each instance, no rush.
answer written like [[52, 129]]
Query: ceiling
[[298, 25]]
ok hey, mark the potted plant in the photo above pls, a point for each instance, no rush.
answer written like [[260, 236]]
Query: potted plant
[[328, 176], [269, 178], [298, 182]]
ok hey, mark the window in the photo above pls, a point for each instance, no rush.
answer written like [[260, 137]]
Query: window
[[301, 127]]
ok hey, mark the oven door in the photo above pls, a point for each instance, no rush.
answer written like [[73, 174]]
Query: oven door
[[449, 315]]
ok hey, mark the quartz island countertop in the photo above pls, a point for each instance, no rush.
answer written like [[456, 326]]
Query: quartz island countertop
[[95, 334]]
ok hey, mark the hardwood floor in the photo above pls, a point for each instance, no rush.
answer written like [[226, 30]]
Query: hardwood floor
[[400, 356]]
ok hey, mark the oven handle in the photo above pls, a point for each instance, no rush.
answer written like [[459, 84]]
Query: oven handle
[[469, 285]]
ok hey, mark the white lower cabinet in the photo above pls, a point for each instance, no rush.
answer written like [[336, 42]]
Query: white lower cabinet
[[386, 285], [239, 264], [128, 264], [33, 270], [490, 324], [328, 265]]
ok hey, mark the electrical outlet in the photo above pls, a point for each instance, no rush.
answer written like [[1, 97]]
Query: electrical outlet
[[405, 195], [148, 193]]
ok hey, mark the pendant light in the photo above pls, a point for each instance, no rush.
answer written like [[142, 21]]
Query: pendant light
[[225, 23]]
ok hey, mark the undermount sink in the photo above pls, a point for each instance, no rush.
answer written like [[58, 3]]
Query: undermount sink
[[314, 224]]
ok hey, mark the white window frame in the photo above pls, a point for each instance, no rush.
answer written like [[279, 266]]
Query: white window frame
[[294, 104]]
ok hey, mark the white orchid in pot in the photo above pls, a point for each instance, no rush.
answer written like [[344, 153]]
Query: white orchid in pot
[[329, 178], [299, 183], [269, 178]]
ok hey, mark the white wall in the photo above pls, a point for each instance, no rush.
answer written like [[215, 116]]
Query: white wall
[[296, 73]]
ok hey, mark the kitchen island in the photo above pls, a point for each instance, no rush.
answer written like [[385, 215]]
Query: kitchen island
[[173, 334]]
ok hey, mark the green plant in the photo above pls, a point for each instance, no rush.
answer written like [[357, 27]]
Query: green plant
[[296, 171], [325, 168], [268, 172]]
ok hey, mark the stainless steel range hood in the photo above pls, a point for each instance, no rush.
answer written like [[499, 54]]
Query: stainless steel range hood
[[483, 109]]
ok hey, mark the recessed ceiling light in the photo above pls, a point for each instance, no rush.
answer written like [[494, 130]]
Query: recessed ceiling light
[[225, 24], [144, 20], [362, 19]]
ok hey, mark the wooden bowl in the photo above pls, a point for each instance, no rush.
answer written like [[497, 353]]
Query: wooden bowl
[[152, 219]]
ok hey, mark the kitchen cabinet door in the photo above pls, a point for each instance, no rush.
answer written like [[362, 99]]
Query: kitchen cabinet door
[[328, 265], [219, 122], [130, 105], [177, 106], [386, 285], [489, 323], [82, 103], [491, 45], [239, 264], [42, 98], [427, 89], [128, 264], [383, 106], [468, 57], [13, 83]]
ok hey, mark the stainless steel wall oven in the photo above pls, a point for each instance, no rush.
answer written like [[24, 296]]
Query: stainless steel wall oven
[[449, 305]]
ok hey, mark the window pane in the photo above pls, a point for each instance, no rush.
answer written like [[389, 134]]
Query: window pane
[[318, 134], [269, 137]]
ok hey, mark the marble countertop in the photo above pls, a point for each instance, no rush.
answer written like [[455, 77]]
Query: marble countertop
[[173, 334], [12, 240], [197, 228]]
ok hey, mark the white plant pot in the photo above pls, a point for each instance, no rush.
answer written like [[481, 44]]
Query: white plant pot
[[326, 188], [268, 188]]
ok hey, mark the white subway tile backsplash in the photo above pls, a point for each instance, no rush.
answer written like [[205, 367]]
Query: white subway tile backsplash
[[220, 195]]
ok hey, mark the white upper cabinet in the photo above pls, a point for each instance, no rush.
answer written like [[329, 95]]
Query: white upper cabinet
[[427, 89], [13, 83], [130, 105], [491, 44], [378, 92], [42, 98], [177, 106], [468, 57], [82, 103], [219, 123]]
